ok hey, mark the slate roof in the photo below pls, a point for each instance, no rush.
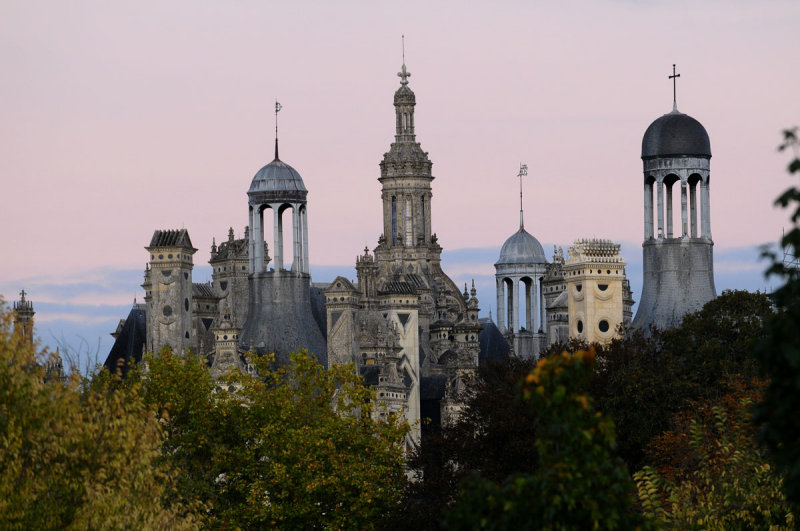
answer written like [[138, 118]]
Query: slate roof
[[397, 287], [171, 238], [130, 342], [494, 346], [203, 290]]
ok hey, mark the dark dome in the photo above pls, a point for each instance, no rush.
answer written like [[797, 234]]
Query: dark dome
[[277, 176], [675, 134]]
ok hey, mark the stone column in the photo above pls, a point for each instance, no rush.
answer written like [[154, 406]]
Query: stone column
[[542, 309], [515, 317], [501, 318], [660, 194], [295, 238], [278, 245], [304, 244], [706, 206], [693, 208], [648, 211], [251, 255], [684, 212]]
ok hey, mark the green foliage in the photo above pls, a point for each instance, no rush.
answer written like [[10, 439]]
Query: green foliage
[[77, 456], [729, 483], [293, 447], [643, 381], [579, 484], [492, 437], [780, 349]]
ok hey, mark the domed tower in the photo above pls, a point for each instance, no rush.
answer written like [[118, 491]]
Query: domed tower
[[678, 251], [522, 261], [279, 316]]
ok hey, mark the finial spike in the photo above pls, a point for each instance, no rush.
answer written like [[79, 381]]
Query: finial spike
[[404, 74], [523, 171], [278, 107]]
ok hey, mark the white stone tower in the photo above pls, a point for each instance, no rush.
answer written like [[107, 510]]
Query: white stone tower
[[678, 251], [168, 291], [522, 262]]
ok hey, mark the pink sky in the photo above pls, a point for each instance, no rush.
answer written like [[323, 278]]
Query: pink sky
[[120, 118]]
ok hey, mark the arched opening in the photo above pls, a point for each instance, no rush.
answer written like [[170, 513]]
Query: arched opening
[[648, 207], [409, 224], [694, 213], [508, 302], [670, 204], [526, 319], [422, 216]]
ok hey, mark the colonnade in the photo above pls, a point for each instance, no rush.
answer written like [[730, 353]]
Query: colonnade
[[508, 303], [664, 184], [299, 237]]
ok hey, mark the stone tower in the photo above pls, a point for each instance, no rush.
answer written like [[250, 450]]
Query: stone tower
[[279, 316], [521, 261], [23, 317], [596, 290], [168, 291], [403, 299], [230, 271], [677, 250]]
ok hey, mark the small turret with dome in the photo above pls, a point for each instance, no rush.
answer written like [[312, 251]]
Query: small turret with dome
[[522, 262], [678, 261]]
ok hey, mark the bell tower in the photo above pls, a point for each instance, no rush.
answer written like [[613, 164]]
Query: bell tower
[[678, 259]]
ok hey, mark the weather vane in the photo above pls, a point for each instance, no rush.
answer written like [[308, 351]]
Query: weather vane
[[523, 171], [674, 77], [278, 108]]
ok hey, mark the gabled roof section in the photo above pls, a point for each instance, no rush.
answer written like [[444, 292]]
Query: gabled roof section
[[203, 290], [171, 238], [340, 284]]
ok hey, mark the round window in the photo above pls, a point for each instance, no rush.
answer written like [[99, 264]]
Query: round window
[[166, 310], [603, 325]]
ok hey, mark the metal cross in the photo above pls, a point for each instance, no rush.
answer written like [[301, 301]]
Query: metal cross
[[674, 77], [22, 294]]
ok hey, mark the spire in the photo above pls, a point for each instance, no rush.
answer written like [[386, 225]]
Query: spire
[[404, 74], [523, 171], [674, 79], [278, 107]]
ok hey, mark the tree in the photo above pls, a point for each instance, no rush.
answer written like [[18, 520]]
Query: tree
[[710, 472], [779, 351], [492, 437], [579, 484], [644, 381], [80, 454], [291, 447]]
